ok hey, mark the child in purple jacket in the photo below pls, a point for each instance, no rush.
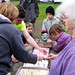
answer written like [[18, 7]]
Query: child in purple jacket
[[62, 38]]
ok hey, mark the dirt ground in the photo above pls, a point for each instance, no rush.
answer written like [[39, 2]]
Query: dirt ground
[[38, 26]]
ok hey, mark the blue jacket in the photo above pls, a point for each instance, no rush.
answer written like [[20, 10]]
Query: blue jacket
[[11, 43]]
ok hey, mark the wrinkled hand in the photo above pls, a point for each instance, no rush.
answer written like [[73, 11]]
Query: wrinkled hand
[[14, 59], [51, 56], [43, 50]]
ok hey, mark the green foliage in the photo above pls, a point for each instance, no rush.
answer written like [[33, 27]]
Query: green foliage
[[42, 8]]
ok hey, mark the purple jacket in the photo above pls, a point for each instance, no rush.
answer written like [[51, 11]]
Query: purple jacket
[[64, 64], [62, 41]]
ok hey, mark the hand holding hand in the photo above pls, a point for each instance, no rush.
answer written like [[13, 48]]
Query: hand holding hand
[[51, 56]]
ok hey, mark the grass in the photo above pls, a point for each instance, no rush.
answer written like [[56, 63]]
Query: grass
[[15, 2], [42, 8]]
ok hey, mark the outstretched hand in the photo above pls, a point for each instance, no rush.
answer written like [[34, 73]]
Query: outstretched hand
[[51, 56], [43, 50]]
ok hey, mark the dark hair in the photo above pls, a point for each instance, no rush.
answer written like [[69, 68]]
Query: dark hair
[[22, 12], [56, 28], [50, 10]]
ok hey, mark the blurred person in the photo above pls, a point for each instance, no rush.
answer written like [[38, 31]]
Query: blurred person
[[59, 35], [21, 2], [64, 64], [27, 39], [47, 23], [29, 28], [19, 23], [62, 39], [32, 12], [10, 40]]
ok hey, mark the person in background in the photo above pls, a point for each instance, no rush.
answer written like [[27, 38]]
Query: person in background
[[29, 26], [47, 23], [29, 29], [64, 64], [10, 40], [21, 2], [62, 39], [19, 23], [27, 39], [59, 35], [32, 12]]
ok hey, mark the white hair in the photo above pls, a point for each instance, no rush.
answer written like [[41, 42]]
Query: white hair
[[59, 12], [67, 8]]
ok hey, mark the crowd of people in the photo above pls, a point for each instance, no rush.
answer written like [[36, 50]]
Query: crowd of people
[[16, 28]]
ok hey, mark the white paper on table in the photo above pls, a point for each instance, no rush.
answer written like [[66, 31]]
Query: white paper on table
[[43, 63]]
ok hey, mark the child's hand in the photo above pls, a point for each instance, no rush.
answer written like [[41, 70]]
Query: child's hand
[[43, 50], [51, 56], [49, 41]]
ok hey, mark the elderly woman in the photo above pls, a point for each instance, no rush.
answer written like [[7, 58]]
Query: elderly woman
[[64, 64]]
